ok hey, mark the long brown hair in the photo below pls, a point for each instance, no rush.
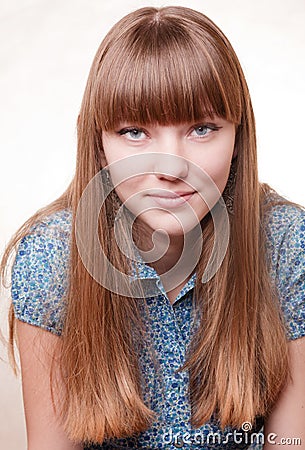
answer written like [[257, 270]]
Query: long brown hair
[[169, 65]]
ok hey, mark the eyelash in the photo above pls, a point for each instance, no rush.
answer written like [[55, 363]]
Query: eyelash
[[210, 126], [130, 129]]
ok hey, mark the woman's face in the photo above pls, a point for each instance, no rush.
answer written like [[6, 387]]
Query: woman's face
[[169, 189]]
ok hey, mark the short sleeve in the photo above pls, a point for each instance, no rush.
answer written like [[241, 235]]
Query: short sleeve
[[287, 246], [40, 274]]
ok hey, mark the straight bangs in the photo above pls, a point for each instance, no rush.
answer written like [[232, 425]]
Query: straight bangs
[[165, 73]]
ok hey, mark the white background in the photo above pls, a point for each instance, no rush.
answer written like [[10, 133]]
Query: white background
[[45, 54]]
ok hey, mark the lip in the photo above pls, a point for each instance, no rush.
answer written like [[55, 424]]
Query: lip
[[168, 200]]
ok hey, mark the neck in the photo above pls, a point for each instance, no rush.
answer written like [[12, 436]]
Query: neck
[[159, 250], [173, 257]]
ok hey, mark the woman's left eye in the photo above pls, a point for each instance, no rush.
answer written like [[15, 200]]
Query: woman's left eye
[[134, 134], [203, 130]]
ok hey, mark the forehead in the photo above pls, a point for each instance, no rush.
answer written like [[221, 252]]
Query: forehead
[[165, 78]]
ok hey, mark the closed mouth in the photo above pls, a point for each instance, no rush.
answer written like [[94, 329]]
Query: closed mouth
[[168, 199]]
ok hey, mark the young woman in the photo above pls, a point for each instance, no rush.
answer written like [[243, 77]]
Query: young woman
[[160, 301]]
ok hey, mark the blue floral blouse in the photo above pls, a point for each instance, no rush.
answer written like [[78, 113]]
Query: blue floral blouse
[[39, 282]]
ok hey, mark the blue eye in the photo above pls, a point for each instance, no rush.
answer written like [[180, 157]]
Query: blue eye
[[201, 130], [204, 130], [134, 134]]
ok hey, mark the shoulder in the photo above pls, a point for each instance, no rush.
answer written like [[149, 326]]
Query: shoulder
[[48, 239], [56, 224], [40, 272], [284, 225], [281, 216]]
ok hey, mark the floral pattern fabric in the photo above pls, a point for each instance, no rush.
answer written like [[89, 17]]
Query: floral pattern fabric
[[40, 281]]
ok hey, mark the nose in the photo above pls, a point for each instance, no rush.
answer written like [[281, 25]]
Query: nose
[[170, 166]]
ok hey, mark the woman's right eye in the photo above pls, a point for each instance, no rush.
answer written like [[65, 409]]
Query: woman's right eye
[[134, 134]]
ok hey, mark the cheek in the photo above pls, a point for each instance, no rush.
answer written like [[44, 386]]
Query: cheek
[[110, 154], [220, 174], [218, 169], [128, 188], [217, 164], [113, 148]]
